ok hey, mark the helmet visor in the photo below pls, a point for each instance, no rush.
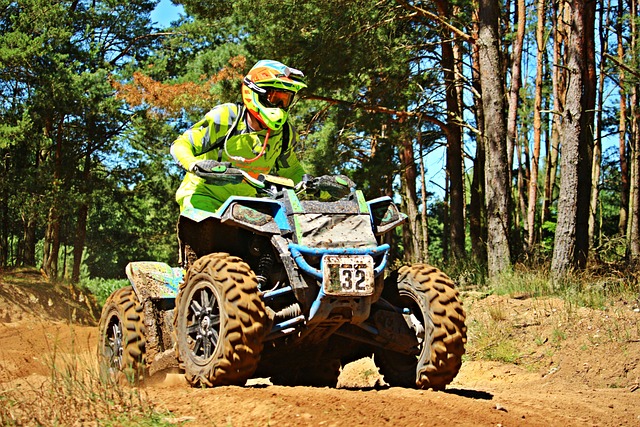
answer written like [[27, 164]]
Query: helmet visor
[[275, 98]]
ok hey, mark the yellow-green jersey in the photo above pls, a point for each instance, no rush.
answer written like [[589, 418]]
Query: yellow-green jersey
[[223, 135]]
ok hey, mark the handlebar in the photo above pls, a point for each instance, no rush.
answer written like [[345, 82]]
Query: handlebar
[[336, 186], [227, 175]]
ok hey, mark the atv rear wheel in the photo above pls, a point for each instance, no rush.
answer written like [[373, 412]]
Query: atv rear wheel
[[121, 349], [219, 321], [437, 318]]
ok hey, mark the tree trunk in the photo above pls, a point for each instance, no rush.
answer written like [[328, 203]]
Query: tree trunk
[[565, 256], [4, 228], [52, 235], [29, 242], [408, 179], [454, 144], [494, 134], [81, 225], [516, 84], [585, 167], [423, 195], [522, 178], [597, 151], [78, 245], [559, 83], [446, 223], [633, 235], [477, 230], [622, 130], [537, 129], [595, 191], [52, 244], [4, 237]]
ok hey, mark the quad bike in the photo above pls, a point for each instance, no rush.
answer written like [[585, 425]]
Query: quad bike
[[285, 286]]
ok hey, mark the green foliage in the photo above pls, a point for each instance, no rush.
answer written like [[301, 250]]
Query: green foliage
[[115, 157], [133, 217], [352, 56], [436, 218], [102, 288], [67, 143], [62, 129]]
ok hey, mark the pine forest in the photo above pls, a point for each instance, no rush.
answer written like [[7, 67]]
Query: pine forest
[[508, 131]]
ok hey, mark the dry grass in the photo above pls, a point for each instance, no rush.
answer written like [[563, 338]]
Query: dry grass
[[530, 320], [74, 395]]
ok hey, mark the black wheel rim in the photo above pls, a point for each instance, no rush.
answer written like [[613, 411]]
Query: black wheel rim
[[203, 322], [114, 348]]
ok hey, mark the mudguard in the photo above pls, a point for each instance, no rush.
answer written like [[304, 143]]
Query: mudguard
[[260, 215], [154, 280]]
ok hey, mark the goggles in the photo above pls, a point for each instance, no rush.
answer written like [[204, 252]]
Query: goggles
[[274, 98]]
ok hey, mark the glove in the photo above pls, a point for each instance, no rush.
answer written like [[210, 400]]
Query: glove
[[216, 173], [337, 186], [208, 166]]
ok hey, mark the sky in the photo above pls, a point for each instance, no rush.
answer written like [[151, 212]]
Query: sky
[[166, 12]]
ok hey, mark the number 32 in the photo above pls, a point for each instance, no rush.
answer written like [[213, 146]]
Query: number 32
[[352, 278]]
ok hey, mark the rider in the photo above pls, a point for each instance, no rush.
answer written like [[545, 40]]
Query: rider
[[254, 136]]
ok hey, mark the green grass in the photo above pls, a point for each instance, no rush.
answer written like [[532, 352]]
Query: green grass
[[558, 335], [529, 284], [492, 341], [580, 290], [503, 351]]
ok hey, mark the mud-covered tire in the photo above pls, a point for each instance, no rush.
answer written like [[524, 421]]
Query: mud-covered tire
[[219, 322], [121, 346], [431, 296]]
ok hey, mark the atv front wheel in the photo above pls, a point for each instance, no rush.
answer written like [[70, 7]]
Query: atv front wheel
[[436, 316], [219, 321], [121, 349]]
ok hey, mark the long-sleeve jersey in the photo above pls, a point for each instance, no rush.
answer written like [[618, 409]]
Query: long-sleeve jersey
[[206, 141]]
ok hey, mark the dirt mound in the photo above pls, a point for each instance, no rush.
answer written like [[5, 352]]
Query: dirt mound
[[26, 294], [559, 341], [530, 362]]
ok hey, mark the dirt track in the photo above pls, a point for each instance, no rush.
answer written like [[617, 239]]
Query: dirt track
[[595, 386]]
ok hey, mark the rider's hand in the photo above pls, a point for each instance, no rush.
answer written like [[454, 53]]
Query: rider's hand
[[337, 186], [216, 173], [208, 166], [345, 181]]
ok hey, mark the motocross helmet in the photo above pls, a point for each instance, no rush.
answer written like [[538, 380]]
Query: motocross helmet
[[268, 91]]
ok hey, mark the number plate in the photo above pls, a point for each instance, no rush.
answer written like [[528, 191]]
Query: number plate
[[349, 275]]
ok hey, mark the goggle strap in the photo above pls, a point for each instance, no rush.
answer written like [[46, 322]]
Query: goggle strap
[[254, 87]]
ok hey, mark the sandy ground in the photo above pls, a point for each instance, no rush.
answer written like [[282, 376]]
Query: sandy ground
[[575, 367]]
